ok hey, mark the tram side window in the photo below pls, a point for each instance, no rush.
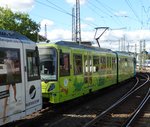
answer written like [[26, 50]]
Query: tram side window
[[108, 62], [130, 64], [78, 64], [109, 67], [103, 63], [32, 67], [10, 66], [121, 62], [64, 64], [95, 63], [114, 64], [126, 62], [85, 64]]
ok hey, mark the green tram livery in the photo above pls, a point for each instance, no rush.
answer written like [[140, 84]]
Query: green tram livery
[[69, 70]]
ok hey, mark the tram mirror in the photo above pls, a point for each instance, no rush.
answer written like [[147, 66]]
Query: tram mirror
[[61, 58], [134, 60], [37, 56]]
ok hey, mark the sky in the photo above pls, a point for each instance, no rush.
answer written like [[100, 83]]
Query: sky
[[128, 20]]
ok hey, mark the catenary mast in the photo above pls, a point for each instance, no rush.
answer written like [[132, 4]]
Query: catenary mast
[[78, 25], [73, 25]]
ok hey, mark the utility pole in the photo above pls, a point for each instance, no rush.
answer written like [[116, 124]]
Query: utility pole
[[128, 47], [119, 46], [135, 48], [140, 56], [37, 37], [144, 51], [78, 25], [45, 31], [73, 25], [123, 43]]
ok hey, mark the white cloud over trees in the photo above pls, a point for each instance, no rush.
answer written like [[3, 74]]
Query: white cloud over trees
[[18, 5]]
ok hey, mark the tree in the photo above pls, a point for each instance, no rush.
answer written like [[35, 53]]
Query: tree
[[19, 22]]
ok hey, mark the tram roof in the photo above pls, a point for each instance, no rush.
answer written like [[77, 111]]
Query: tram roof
[[81, 46], [125, 53], [6, 35]]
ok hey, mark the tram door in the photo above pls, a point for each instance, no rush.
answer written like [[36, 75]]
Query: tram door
[[88, 70], [65, 79], [32, 79]]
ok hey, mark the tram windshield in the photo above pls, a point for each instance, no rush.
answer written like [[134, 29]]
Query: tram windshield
[[48, 63]]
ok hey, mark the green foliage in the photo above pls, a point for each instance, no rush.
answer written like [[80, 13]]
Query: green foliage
[[19, 22]]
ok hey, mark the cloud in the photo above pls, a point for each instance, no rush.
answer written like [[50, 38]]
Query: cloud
[[61, 34], [87, 35], [46, 22], [18, 5], [128, 35], [121, 14], [58, 34], [139, 35], [132, 38], [89, 19], [84, 26], [110, 39], [74, 1]]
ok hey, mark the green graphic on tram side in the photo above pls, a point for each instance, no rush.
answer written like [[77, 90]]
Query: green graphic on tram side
[[100, 81], [78, 85]]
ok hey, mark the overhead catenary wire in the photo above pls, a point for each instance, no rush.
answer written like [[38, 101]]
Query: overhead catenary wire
[[97, 13], [107, 12], [58, 8], [145, 14], [54, 7], [108, 8], [135, 14], [99, 8], [112, 12]]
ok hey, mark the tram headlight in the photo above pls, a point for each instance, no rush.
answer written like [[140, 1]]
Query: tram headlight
[[52, 86]]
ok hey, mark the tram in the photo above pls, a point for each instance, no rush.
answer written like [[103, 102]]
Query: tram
[[69, 70], [20, 89]]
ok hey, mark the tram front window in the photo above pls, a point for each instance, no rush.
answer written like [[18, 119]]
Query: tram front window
[[48, 63]]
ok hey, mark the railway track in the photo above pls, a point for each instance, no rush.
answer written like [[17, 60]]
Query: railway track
[[144, 117], [80, 120], [79, 112], [136, 113], [126, 112]]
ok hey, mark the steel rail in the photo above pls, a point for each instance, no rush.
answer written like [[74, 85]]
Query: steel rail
[[137, 110], [98, 117]]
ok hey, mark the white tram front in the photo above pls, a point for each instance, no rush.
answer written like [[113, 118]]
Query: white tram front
[[20, 85]]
